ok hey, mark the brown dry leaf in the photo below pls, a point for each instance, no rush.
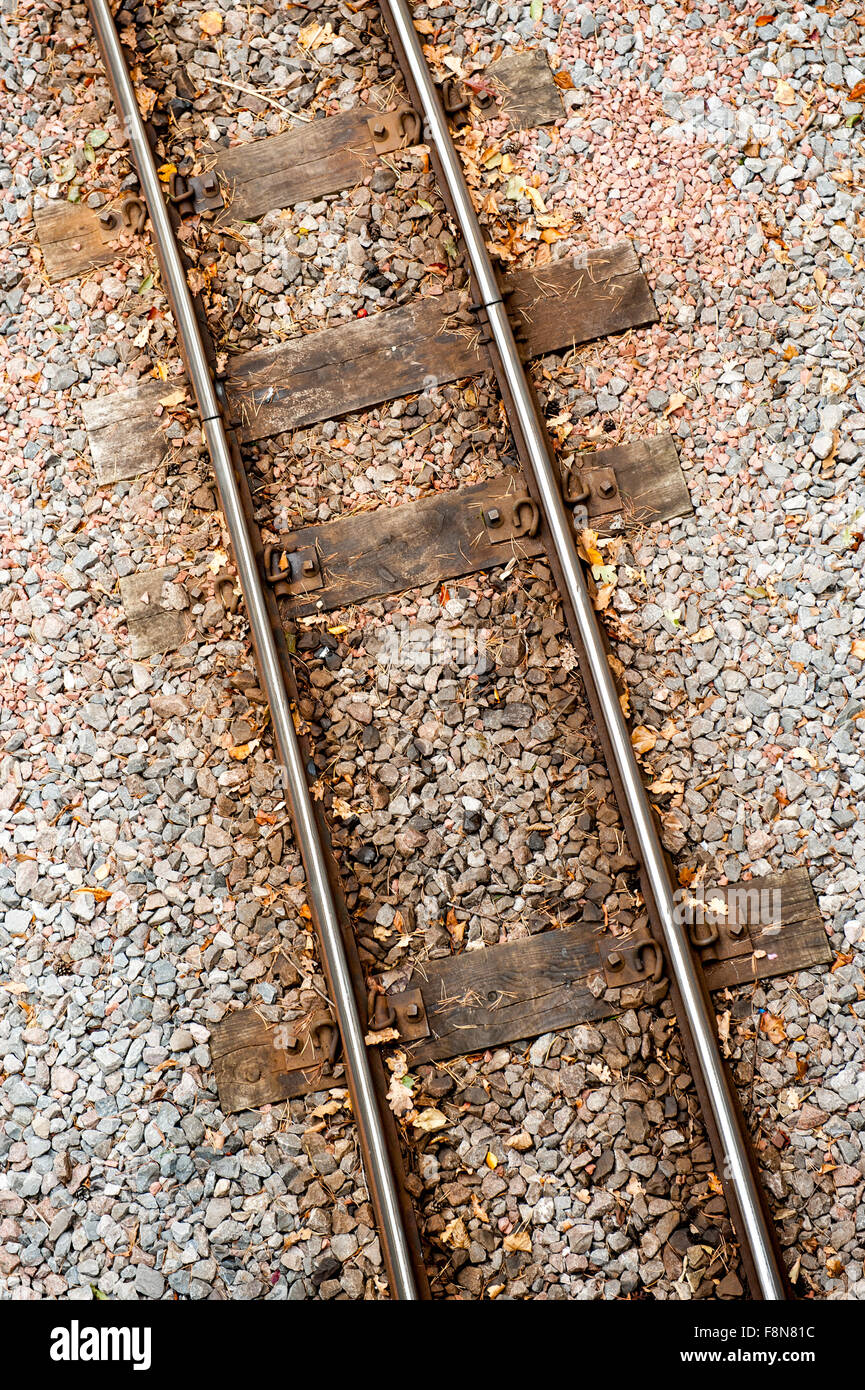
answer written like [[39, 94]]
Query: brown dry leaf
[[602, 596], [455, 1234], [785, 95], [773, 1026], [676, 401], [399, 1096], [563, 81], [173, 398], [625, 703], [520, 1240], [857, 648], [715, 1184], [428, 1121], [456, 928], [820, 278], [643, 740], [210, 23]]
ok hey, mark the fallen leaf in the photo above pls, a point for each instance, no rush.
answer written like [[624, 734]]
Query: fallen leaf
[[428, 1121], [384, 1035], [210, 23], [173, 398], [773, 1026], [455, 1234], [785, 95], [399, 1096], [315, 36], [643, 740], [520, 1240], [857, 648], [820, 278], [676, 401], [243, 750]]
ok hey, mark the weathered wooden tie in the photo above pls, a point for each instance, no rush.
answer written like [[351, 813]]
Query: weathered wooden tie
[[310, 161], [516, 991], [395, 353], [447, 535]]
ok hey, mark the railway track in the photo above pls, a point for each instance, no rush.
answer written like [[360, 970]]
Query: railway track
[[530, 511]]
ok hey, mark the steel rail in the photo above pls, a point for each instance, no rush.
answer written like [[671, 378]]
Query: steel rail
[[754, 1228], [379, 1171]]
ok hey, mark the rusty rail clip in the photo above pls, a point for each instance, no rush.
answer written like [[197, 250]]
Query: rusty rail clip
[[292, 571], [395, 130], [624, 959], [595, 489], [198, 193], [454, 100], [130, 212], [517, 518], [314, 1046], [403, 1010]]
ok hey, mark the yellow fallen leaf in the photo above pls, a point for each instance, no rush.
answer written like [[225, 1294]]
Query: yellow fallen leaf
[[588, 547], [520, 1240], [643, 739], [210, 23], [315, 36], [166, 170], [428, 1121], [491, 1161]]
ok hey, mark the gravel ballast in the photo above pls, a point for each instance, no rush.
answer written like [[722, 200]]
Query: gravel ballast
[[149, 882]]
